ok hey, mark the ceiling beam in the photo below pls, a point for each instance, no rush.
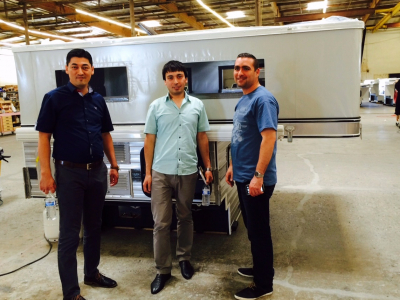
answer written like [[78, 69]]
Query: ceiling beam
[[386, 18], [393, 25], [312, 17], [275, 11], [6, 27], [172, 8], [73, 16], [373, 4]]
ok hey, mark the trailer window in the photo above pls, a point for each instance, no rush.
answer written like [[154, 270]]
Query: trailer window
[[111, 83], [215, 77]]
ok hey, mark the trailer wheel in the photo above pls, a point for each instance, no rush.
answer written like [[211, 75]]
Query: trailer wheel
[[235, 225]]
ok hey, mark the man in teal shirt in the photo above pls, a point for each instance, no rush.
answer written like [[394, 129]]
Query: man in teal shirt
[[175, 125]]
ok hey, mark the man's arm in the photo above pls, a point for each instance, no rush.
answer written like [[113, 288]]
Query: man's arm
[[149, 144], [47, 183], [202, 142], [266, 150], [229, 175], [108, 147]]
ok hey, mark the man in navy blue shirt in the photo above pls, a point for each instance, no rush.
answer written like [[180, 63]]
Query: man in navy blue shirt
[[80, 123], [253, 168]]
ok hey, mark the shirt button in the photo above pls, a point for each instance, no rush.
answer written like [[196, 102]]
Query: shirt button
[[179, 137], [179, 148]]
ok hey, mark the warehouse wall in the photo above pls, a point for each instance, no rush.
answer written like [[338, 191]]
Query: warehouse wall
[[8, 74], [381, 54]]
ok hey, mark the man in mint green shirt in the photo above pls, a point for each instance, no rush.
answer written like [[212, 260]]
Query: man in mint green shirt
[[175, 125]]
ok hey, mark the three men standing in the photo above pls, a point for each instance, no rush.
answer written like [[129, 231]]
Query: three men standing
[[253, 169], [175, 125], [80, 123]]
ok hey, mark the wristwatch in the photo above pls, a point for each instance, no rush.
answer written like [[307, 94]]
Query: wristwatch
[[209, 169], [258, 174], [115, 168]]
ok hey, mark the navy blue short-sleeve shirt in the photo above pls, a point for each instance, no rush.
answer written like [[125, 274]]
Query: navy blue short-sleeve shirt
[[76, 123]]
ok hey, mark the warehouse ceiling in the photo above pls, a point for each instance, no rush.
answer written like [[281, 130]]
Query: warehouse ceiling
[[66, 19]]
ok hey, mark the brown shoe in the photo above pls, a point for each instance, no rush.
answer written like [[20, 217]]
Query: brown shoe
[[78, 297]]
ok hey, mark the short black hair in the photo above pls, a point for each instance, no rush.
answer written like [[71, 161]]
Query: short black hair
[[248, 55], [79, 53], [173, 66]]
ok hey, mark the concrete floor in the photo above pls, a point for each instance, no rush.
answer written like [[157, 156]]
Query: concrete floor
[[335, 218]]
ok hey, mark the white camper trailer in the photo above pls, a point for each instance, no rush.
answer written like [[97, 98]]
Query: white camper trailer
[[313, 70]]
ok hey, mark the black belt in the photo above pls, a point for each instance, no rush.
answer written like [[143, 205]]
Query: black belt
[[88, 166]]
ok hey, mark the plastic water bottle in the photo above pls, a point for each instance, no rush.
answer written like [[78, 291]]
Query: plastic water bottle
[[51, 219], [50, 204], [205, 199]]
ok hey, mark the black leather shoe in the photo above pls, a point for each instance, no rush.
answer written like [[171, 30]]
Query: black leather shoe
[[100, 280], [186, 269], [78, 297], [158, 283]]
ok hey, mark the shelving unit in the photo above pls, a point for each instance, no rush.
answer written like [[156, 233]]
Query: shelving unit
[[9, 118]]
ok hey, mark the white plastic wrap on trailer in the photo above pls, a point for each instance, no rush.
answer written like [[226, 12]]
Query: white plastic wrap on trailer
[[313, 69]]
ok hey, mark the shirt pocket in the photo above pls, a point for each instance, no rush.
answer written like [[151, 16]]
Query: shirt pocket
[[190, 118]]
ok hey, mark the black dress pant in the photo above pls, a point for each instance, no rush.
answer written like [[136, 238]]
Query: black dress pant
[[81, 196], [255, 212]]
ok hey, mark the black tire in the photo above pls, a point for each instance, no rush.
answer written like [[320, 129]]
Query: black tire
[[235, 225]]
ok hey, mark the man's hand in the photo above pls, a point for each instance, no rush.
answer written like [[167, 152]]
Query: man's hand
[[255, 186], [229, 176], [147, 184], [114, 176], [209, 177], [47, 184]]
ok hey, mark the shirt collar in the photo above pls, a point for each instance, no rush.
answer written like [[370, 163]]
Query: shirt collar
[[167, 98], [72, 88]]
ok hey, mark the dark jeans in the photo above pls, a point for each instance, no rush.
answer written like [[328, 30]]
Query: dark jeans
[[255, 212], [81, 196]]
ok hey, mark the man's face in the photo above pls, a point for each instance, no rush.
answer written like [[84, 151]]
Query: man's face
[[80, 71], [244, 74], [175, 82]]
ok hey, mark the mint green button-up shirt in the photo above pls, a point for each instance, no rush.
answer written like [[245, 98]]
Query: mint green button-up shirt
[[176, 131]]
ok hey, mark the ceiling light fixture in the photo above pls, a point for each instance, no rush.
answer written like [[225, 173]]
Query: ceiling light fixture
[[235, 14], [214, 13], [38, 32], [14, 39], [318, 5], [7, 44], [107, 20], [151, 23]]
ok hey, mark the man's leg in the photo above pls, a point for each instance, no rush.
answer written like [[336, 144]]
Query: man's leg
[[92, 218], [241, 199], [161, 207], [259, 234], [70, 193], [184, 190]]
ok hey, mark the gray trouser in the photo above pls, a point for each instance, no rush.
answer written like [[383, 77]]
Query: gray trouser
[[183, 186]]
